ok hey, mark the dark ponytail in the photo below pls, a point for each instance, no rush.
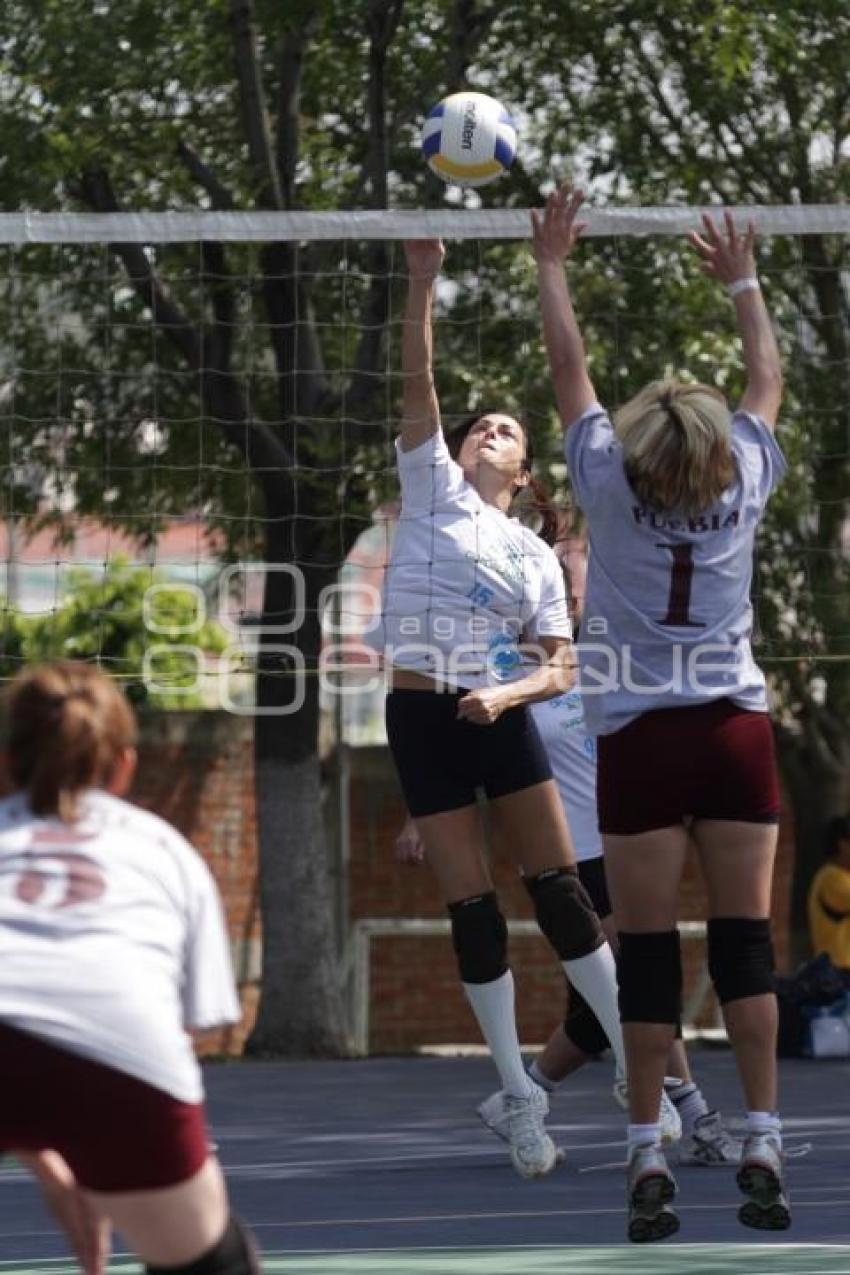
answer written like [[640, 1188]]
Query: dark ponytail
[[552, 520]]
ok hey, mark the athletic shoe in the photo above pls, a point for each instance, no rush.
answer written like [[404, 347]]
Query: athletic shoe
[[761, 1178], [533, 1153], [650, 1188], [669, 1121], [709, 1143], [492, 1111]]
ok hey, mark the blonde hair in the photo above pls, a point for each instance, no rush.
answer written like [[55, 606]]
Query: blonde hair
[[68, 725], [675, 439]]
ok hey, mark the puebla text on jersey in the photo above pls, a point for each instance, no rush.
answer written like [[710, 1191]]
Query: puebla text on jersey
[[667, 617]]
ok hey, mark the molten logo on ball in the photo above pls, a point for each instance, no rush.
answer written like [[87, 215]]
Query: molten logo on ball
[[469, 139], [468, 131]]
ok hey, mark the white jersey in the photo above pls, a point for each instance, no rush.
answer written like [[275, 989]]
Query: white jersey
[[572, 755], [112, 939], [667, 614], [466, 585]]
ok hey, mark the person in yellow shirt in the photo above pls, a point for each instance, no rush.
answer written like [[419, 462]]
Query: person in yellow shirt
[[829, 895]]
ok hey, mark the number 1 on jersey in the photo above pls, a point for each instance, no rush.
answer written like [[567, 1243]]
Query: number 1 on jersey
[[681, 576]]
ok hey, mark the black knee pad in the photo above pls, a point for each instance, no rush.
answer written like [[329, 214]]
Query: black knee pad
[[583, 1028], [565, 913], [234, 1254], [480, 937], [649, 974], [740, 957]]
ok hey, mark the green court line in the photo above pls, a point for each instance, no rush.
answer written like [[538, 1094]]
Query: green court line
[[621, 1259]]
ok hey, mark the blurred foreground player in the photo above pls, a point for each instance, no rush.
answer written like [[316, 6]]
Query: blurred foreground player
[[112, 943]]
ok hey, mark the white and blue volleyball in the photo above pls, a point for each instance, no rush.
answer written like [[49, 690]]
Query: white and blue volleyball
[[469, 139]]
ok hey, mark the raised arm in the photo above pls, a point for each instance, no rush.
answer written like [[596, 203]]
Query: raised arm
[[554, 233], [420, 408], [731, 259]]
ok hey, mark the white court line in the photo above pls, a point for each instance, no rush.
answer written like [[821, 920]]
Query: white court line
[[418, 1218], [495, 1153], [713, 1249], [489, 1150], [59, 1265], [813, 1190]]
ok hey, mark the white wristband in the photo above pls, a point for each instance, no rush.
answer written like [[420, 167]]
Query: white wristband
[[743, 285]]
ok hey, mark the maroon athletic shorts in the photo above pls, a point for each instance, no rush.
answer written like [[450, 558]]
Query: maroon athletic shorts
[[707, 761], [116, 1132]]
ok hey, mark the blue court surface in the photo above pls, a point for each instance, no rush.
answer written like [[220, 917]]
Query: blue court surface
[[381, 1167]]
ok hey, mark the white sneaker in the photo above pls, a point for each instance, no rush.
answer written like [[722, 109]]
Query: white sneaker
[[761, 1178], [710, 1143], [670, 1124], [650, 1190], [492, 1111], [519, 1122]]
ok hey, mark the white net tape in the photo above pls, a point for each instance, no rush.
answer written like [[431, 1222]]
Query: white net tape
[[182, 227]]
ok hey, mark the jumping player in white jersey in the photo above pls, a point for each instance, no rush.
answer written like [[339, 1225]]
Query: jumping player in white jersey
[[673, 492], [112, 944], [468, 591]]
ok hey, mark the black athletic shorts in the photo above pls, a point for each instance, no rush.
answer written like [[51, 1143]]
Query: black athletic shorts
[[442, 761], [591, 873]]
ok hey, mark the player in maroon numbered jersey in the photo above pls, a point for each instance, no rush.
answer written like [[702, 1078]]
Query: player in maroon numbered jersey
[[673, 490]]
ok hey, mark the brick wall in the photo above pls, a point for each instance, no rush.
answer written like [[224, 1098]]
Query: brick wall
[[196, 769]]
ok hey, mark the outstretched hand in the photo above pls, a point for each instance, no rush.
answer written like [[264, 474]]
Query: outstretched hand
[[424, 258], [555, 229], [725, 257]]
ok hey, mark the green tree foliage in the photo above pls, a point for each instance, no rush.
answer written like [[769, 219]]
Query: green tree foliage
[[103, 618]]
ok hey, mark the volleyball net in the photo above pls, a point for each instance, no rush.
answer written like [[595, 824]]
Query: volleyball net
[[197, 412]]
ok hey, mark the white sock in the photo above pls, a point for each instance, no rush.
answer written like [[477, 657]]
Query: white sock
[[493, 1006], [689, 1103], [595, 977], [540, 1078], [641, 1135], [765, 1122]]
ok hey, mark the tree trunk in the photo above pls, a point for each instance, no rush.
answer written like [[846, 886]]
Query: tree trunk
[[300, 1012]]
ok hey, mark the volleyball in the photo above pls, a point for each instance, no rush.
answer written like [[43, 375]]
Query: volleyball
[[469, 139]]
